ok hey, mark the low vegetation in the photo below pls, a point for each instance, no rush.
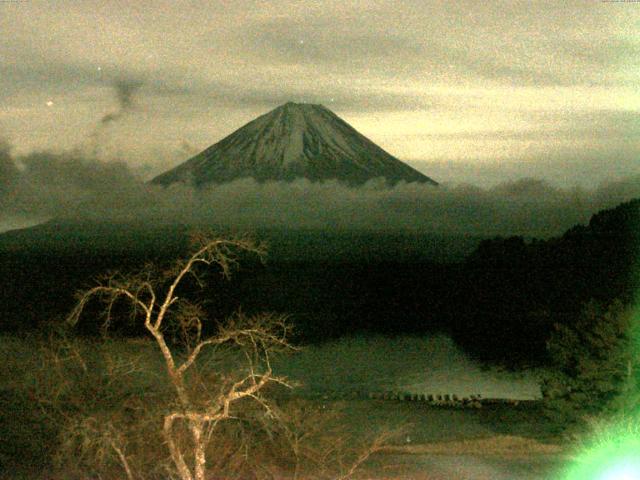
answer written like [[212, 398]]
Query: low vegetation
[[175, 402], [596, 366]]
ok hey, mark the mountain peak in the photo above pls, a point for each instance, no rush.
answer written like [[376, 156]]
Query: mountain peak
[[299, 105], [291, 141]]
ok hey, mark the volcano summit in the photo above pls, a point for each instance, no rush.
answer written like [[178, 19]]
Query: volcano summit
[[292, 141]]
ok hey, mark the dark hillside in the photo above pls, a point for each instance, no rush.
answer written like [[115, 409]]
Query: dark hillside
[[513, 291], [330, 282]]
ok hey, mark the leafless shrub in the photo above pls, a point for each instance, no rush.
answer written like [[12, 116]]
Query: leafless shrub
[[103, 398], [318, 444], [181, 403], [198, 405]]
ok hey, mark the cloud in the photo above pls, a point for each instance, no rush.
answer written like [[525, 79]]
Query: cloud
[[34, 73], [48, 184], [492, 67], [129, 84], [330, 91], [337, 44], [436, 44], [69, 185], [125, 90], [8, 169], [81, 77], [335, 97]]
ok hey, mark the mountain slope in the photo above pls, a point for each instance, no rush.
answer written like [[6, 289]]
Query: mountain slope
[[292, 141]]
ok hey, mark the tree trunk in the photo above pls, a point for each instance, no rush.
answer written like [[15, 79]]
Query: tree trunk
[[176, 455], [198, 449]]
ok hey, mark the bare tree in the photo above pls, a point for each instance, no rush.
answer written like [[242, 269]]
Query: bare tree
[[321, 445], [154, 299]]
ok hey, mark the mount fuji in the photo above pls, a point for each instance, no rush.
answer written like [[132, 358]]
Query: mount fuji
[[292, 141]]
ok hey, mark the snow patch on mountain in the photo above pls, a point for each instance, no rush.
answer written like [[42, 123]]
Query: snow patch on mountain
[[295, 140]]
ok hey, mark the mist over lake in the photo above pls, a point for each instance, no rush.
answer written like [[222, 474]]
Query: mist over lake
[[412, 364]]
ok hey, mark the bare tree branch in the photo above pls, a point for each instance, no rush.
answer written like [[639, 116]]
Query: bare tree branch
[[257, 335]]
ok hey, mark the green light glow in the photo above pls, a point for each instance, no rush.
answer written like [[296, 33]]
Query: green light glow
[[613, 452], [626, 469], [618, 460], [612, 455]]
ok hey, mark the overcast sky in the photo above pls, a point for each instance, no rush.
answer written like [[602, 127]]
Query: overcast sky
[[465, 91]]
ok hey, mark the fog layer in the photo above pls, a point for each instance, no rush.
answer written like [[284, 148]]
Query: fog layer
[[429, 365], [76, 186]]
